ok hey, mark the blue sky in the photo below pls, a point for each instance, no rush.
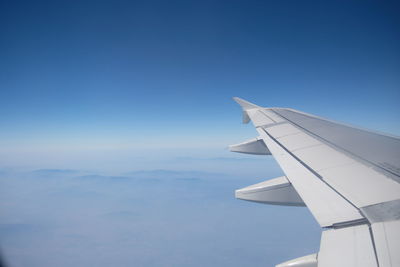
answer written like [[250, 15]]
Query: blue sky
[[112, 72], [111, 87]]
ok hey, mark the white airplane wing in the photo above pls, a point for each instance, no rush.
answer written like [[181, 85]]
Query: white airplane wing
[[348, 177]]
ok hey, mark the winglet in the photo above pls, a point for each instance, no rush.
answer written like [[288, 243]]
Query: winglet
[[245, 104]]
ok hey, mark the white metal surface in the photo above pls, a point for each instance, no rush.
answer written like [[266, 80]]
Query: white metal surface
[[348, 177], [387, 242], [280, 130], [258, 118], [245, 117], [246, 105], [277, 191], [322, 157], [306, 261], [253, 146], [325, 204], [347, 247], [298, 141], [360, 184], [374, 148], [272, 115]]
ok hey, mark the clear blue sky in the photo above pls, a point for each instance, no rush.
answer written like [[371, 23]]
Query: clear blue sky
[[104, 88], [72, 72]]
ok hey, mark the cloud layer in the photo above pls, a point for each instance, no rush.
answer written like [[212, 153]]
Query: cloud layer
[[144, 218]]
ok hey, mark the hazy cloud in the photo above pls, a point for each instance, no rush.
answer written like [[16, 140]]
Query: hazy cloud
[[144, 218]]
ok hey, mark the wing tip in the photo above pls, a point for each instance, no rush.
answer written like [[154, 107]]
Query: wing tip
[[246, 105]]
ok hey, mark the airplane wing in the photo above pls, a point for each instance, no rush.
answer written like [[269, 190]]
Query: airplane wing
[[348, 177]]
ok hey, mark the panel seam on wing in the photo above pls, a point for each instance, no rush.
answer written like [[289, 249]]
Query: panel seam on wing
[[314, 172], [368, 163]]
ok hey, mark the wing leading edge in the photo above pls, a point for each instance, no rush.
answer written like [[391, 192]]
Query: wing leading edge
[[348, 178]]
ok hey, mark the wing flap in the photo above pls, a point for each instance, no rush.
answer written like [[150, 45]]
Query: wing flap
[[387, 241], [347, 247]]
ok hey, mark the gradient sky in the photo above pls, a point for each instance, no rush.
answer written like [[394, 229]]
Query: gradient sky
[[108, 87], [79, 75]]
